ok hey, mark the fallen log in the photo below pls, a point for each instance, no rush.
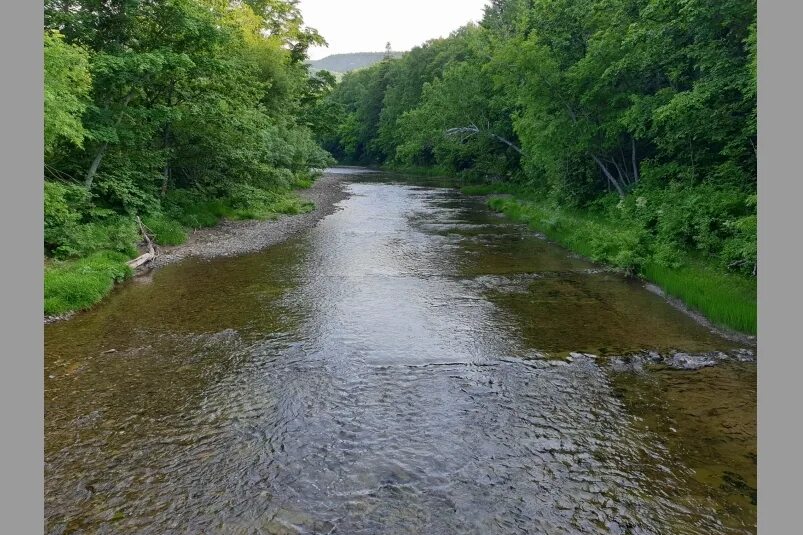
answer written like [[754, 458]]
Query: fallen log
[[147, 257]]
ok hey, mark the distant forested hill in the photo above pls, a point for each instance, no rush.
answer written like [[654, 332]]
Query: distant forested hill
[[349, 62]]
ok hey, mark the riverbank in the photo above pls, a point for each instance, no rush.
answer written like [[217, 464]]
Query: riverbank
[[718, 299], [415, 310], [230, 238], [97, 275]]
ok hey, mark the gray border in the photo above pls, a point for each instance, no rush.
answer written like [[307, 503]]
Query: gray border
[[780, 195], [21, 351]]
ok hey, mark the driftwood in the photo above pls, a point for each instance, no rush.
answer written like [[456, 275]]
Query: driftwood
[[147, 257]]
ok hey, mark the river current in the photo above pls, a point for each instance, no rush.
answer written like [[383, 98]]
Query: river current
[[403, 367]]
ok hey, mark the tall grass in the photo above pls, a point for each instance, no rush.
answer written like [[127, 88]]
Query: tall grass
[[724, 298], [727, 299], [78, 284], [166, 231]]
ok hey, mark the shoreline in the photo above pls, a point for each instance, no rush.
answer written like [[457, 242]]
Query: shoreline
[[234, 238], [238, 237], [725, 332]]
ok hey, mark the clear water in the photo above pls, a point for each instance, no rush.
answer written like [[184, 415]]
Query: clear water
[[396, 369]]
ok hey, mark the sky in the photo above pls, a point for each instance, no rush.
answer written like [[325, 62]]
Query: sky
[[366, 25]]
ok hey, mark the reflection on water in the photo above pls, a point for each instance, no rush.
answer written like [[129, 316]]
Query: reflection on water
[[383, 373]]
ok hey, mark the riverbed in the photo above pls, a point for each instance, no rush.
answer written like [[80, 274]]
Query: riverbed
[[414, 363]]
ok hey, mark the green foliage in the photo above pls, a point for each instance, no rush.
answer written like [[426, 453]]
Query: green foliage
[[74, 228], [248, 202], [628, 126], [64, 205], [165, 231], [180, 111], [67, 85], [114, 233], [192, 209], [79, 284], [728, 299]]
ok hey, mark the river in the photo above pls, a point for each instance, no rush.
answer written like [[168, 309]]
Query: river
[[402, 367]]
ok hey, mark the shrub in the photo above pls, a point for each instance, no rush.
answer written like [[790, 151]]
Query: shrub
[[166, 231], [249, 202], [115, 233], [74, 228], [192, 209], [64, 205]]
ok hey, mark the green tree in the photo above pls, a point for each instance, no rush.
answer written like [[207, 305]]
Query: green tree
[[67, 85]]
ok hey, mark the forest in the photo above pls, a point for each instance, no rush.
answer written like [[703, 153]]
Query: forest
[[622, 129], [176, 112]]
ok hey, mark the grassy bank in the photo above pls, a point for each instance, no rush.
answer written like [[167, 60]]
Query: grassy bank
[[415, 170], [91, 257], [78, 284], [726, 298]]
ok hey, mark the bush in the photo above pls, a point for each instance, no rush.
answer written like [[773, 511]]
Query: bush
[[166, 231], [64, 205], [305, 179], [703, 219], [249, 202], [115, 233], [192, 209], [73, 228], [79, 284]]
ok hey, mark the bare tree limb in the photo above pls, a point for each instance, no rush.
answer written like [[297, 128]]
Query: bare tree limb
[[472, 129], [609, 176]]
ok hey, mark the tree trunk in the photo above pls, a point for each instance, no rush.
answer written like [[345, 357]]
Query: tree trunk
[[166, 172], [622, 176], [609, 176], [506, 142], [633, 159], [90, 174], [474, 129]]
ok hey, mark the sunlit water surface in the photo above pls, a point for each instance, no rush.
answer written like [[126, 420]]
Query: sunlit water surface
[[397, 369]]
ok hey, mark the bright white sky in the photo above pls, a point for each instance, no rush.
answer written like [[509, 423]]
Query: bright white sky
[[366, 25]]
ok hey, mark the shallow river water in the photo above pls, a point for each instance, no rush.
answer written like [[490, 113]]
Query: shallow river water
[[401, 368]]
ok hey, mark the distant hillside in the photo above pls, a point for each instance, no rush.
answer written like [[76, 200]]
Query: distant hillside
[[349, 62]]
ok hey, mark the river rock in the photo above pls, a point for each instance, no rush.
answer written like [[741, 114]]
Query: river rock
[[745, 355], [577, 355], [684, 361], [630, 364], [654, 356]]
